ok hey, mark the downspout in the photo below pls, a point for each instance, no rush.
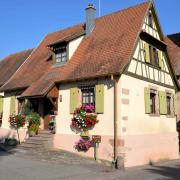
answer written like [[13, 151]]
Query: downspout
[[115, 119]]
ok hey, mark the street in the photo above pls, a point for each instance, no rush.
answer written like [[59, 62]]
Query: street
[[20, 166]]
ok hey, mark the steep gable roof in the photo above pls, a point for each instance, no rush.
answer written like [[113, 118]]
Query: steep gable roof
[[10, 64], [106, 51], [173, 47]]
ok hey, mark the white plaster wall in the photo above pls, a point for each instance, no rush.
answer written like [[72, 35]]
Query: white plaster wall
[[106, 120], [1, 93], [150, 30], [138, 122], [145, 71], [73, 45]]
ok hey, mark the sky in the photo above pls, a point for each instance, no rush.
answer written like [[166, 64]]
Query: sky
[[24, 23]]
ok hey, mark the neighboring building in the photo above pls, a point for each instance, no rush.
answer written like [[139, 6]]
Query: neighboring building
[[173, 42], [120, 64], [8, 66]]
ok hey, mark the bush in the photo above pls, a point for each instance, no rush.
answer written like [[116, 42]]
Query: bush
[[33, 122], [33, 118]]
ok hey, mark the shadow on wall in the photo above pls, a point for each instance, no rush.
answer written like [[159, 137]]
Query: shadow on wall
[[166, 172], [7, 144]]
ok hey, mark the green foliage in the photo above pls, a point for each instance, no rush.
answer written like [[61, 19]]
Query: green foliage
[[28, 108], [33, 122], [33, 118]]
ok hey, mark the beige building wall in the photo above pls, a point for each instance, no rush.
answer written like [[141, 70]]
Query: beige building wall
[[65, 138], [6, 111], [73, 45], [178, 106], [5, 130], [146, 137]]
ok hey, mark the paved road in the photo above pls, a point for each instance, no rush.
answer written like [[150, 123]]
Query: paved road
[[15, 167]]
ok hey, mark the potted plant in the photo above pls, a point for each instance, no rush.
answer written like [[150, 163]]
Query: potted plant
[[33, 124], [17, 121], [83, 144], [84, 118]]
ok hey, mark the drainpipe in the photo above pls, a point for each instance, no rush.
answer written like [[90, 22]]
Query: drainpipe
[[115, 119]]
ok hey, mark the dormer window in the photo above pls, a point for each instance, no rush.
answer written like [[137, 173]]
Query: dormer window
[[60, 55]]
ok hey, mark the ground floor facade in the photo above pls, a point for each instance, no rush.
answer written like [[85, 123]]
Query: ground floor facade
[[142, 137]]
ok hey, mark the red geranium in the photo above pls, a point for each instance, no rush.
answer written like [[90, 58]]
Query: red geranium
[[84, 118]]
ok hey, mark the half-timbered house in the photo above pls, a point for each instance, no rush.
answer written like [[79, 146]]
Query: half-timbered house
[[118, 63]]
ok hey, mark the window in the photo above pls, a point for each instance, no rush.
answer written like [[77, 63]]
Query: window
[[150, 19], [154, 59], [169, 103], [152, 102], [88, 95], [60, 54]]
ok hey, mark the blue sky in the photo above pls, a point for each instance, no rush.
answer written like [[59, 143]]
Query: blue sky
[[24, 23]]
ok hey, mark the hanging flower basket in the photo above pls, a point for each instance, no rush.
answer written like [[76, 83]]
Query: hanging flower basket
[[17, 121], [84, 118], [83, 145]]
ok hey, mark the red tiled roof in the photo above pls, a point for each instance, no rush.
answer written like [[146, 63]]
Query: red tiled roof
[[173, 47], [37, 64], [105, 51], [10, 64], [175, 38]]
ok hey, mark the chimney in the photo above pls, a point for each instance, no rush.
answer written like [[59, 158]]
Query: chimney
[[90, 19]]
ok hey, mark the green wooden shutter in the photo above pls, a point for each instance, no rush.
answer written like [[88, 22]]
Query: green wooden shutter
[[160, 58], [175, 104], [12, 104], [147, 55], [99, 102], [54, 58], [147, 100], [1, 104], [73, 99], [162, 102], [172, 104]]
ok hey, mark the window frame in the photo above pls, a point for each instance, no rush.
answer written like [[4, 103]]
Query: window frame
[[155, 112], [60, 53], [170, 106], [154, 58], [90, 95]]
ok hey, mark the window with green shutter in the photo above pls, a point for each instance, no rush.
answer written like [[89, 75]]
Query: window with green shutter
[[99, 96], [151, 101], [12, 105], [162, 102], [73, 99]]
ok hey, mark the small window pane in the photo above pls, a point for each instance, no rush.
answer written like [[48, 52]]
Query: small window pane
[[153, 102], [61, 54]]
